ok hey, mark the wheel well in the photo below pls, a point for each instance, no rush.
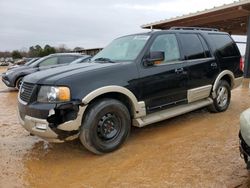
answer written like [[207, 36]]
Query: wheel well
[[118, 96], [18, 79], [228, 79]]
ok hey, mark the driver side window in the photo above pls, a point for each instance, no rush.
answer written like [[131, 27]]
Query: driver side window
[[168, 44], [49, 61]]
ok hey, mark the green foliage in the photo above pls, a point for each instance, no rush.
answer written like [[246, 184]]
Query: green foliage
[[35, 51], [16, 54], [38, 51]]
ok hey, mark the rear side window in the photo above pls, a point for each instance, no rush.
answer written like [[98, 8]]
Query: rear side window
[[66, 59], [192, 46], [224, 45]]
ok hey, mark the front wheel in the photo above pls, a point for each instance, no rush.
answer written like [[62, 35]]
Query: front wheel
[[222, 98], [105, 126], [19, 82]]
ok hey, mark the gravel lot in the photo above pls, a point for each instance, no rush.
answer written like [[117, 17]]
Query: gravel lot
[[198, 149]]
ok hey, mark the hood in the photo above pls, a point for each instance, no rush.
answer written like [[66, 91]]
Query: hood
[[50, 76], [18, 67], [13, 67]]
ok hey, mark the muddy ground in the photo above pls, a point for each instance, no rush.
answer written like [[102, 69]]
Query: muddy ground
[[198, 149]]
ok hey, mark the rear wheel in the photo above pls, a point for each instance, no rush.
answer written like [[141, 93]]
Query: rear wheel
[[19, 82], [222, 98], [106, 126]]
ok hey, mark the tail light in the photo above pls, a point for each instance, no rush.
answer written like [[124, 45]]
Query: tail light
[[241, 64]]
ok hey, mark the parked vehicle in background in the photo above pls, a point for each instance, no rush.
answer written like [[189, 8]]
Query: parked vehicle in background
[[14, 77], [138, 79], [83, 59], [4, 63], [244, 136], [20, 62], [32, 60]]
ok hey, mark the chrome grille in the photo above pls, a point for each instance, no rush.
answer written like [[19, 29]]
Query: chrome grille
[[26, 91]]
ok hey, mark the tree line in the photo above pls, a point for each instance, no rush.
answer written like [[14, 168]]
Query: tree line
[[36, 51]]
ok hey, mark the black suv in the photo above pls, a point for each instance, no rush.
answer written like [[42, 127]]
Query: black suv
[[137, 80], [14, 76]]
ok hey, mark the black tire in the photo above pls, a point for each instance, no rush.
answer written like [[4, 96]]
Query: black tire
[[106, 126], [222, 98], [19, 82]]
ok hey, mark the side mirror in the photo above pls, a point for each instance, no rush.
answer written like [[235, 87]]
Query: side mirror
[[153, 57]]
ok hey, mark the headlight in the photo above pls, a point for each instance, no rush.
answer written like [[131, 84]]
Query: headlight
[[53, 94]]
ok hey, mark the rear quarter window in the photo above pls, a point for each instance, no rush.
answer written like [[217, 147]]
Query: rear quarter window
[[225, 46]]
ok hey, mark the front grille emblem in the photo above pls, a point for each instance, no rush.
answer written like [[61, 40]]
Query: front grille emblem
[[22, 90]]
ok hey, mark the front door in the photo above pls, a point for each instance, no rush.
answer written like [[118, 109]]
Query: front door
[[164, 84]]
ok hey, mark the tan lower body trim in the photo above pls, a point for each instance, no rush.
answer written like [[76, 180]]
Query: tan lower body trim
[[172, 112], [198, 93], [237, 82]]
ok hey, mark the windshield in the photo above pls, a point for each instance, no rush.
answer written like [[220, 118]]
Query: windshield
[[123, 49]]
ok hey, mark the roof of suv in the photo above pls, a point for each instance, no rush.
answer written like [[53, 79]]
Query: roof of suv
[[183, 30]]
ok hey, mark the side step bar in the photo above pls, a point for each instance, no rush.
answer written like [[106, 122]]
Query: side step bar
[[171, 112]]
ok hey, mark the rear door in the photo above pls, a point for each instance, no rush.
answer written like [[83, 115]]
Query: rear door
[[202, 67]]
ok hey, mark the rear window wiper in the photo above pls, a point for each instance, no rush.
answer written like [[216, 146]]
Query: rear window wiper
[[104, 59]]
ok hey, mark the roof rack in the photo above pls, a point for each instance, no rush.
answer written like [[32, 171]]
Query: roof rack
[[194, 28]]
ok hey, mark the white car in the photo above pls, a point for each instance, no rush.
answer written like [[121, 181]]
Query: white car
[[244, 136]]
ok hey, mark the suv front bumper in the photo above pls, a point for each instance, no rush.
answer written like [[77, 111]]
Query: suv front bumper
[[34, 118], [39, 127]]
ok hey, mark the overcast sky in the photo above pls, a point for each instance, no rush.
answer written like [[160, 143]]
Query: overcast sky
[[84, 23]]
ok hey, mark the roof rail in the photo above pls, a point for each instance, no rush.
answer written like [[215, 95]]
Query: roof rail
[[194, 28]]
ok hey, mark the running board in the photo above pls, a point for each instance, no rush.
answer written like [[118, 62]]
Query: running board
[[171, 112]]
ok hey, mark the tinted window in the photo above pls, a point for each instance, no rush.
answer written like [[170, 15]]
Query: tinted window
[[168, 44], [66, 59], [192, 46], [205, 47], [225, 45], [49, 61]]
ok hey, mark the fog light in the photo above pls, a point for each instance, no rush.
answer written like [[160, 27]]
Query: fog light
[[41, 126]]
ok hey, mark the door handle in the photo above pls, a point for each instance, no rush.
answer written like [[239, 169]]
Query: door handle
[[178, 71], [213, 65]]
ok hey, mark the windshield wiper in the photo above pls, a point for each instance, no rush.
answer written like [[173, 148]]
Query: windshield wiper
[[104, 59]]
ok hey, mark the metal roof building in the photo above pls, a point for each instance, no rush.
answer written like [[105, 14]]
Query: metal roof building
[[233, 18]]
